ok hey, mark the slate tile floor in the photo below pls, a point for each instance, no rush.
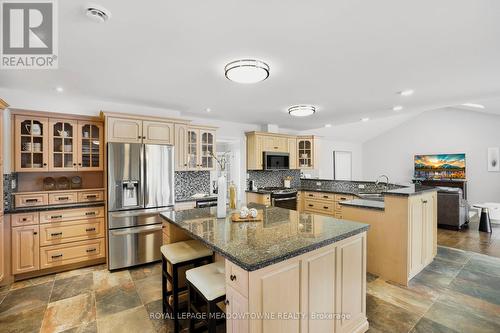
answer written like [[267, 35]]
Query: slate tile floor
[[458, 292]]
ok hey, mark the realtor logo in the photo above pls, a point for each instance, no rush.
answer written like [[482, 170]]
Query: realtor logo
[[29, 34]]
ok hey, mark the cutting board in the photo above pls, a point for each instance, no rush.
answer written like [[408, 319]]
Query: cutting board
[[235, 217]]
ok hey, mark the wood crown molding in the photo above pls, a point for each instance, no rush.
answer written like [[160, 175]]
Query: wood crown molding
[[57, 115], [3, 104], [105, 114], [276, 134]]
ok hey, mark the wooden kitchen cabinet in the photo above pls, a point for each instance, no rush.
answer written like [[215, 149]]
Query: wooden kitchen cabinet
[[181, 154], [275, 143], [156, 132], [305, 152], [25, 249], [31, 144], [200, 148], [292, 150], [63, 144], [125, 130], [90, 146]]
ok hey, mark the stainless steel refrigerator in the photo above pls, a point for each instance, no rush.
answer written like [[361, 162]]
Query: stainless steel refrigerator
[[140, 186]]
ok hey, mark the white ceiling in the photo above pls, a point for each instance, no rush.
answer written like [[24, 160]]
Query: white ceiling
[[348, 57]]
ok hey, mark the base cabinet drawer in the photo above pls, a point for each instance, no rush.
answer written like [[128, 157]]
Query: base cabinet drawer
[[30, 200], [90, 196], [62, 198], [71, 214], [18, 220], [319, 207], [65, 232], [236, 278], [57, 255]]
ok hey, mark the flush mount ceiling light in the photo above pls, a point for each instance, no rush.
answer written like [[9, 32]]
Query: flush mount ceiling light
[[247, 71], [98, 14], [301, 110], [407, 92], [397, 108], [474, 105]]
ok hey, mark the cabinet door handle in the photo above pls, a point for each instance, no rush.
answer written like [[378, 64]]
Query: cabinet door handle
[[56, 217], [325, 196], [143, 137], [56, 234], [24, 219], [63, 198], [424, 201], [91, 196], [89, 213], [232, 277], [57, 256], [90, 229], [311, 205], [91, 250], [31, 200], [325, 207], [311, 195]]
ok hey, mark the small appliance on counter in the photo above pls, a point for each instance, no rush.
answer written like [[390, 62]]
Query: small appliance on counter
[[252, 186], [287, 182]]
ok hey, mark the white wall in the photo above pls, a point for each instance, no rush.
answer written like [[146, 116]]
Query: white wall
[[324, 157], [438, 131]]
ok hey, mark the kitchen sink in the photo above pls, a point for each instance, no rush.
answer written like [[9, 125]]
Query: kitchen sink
[[371, 196]]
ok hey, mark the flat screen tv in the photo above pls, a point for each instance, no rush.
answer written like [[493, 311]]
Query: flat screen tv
[[440, 166]]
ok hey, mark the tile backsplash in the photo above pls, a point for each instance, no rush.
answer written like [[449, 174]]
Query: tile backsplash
[[266, 178], [345, 186], [188, 183], [7, 190]]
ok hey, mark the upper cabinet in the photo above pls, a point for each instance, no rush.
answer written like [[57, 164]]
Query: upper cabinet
[[305, 145], [31, 151], [300, 149], [194, 145], [129, 130], [200, 148], [55, 144], [90, 146]]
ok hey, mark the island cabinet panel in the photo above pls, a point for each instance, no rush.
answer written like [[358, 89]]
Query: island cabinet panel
[[297, 294], [319, 273], [25, 249], [260, 198], [351, 284], [236, 305]]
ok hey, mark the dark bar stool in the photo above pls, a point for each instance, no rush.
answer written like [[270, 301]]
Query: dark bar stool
[[178, 255], [208, 282]]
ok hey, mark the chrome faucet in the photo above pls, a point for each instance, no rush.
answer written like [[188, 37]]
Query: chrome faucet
[[386, 181]]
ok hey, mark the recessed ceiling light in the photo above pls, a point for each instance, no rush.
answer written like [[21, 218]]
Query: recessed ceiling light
[[301, 110], [247, 71], [474, 105], [328, 125], [208, 110], [98, 14], [365, 119], [397, 108], [59, 89], [407, 92]]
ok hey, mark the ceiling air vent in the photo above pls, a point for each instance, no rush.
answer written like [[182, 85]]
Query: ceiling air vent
[[98, 14]]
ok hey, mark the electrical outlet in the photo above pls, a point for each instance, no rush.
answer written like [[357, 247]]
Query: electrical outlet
[[361, 186], [318, 183]]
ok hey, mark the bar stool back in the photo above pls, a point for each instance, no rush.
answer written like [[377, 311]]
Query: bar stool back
[[178, 255]]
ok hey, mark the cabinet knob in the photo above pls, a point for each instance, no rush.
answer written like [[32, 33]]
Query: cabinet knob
[[143, 137], [232, 277], [139, 137], [79, 164], [44, 164], [226, 302], [35, 233], [74, 164], [185, 164]]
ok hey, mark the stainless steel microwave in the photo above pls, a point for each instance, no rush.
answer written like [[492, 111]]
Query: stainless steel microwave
[[276, 161]]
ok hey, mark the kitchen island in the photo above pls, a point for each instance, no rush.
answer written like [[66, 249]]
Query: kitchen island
[[290, 272]]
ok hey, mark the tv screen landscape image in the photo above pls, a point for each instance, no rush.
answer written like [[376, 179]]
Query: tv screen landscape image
[[440, 166]]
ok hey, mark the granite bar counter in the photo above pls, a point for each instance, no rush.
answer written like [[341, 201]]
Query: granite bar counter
[[289, 264], [281, 235], [362, 203]]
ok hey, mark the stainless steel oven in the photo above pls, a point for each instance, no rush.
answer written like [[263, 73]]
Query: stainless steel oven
[[276, 161], [284, 199]]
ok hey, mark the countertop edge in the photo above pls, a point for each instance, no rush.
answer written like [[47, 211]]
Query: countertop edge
[[251, 268], [53, 207], [365, 206]]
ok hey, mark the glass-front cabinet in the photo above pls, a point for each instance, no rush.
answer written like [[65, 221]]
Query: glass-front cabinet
[[31, 144], [62, 145], [90, 151], [305, 146], [200, 149], [52, 144], [207, 149]]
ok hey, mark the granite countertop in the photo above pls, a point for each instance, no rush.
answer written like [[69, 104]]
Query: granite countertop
[[281, 235], [54, 207], [410, 190], [210, 197], [362, 203]]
